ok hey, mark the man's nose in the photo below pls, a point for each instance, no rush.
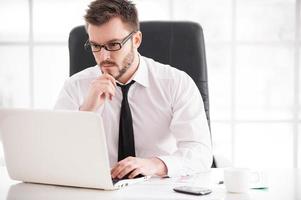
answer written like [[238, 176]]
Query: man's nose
[[103, 54]]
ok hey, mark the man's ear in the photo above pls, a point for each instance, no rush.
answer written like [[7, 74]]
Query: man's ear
[[137, 39]]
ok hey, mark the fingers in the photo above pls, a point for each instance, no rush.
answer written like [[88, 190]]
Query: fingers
[[124, 167], [104, 84], [125, 171], [101, 88], [133, 166], [112, 86], [135, 173], [111, 78]]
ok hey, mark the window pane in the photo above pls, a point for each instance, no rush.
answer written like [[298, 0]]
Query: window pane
[[299, 25], [14, 79], [222, 139], [1, 153], [153, 10], [214, 16], [300, 83], [219, 76], [14, 20], [53, 20], [265, 20], [51, 68], [264, 145], [264, 82], [299, 146]]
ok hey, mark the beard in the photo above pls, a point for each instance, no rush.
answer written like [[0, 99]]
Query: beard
[[125, 65]]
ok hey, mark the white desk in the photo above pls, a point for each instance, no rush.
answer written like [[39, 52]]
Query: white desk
[[283, 185]]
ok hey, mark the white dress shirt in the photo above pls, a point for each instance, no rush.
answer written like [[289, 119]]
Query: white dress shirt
[[168, 114]]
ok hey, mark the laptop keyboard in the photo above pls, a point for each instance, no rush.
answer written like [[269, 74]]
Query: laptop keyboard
[[115, 180]]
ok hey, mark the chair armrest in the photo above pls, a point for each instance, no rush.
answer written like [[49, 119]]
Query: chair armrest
[[221, 161]]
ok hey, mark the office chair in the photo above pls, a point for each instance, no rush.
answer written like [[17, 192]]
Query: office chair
[[179, 44]]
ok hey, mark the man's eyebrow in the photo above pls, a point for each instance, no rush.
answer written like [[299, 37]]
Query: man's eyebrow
[[112, 40], [92, 42]]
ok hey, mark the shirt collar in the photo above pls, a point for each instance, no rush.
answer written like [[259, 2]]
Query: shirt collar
[[141, 75]]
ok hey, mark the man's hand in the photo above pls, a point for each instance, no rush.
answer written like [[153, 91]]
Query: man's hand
[[133, 166], [101, 88]]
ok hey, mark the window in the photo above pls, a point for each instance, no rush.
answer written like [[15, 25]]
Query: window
[[253, 54]]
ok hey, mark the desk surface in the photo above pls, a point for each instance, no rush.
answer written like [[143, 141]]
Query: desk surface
[[283, 184]]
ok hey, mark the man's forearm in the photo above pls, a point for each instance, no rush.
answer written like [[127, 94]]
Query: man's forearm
[[161, 168]]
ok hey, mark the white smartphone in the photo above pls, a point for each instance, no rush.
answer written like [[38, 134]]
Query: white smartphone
[[193, 190]]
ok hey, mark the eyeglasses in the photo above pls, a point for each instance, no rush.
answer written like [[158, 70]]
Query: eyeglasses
[[111, 46]]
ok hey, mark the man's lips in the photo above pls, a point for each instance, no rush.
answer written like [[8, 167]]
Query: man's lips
[[107, 66]]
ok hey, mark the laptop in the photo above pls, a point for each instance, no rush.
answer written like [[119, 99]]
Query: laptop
[[57, 147]]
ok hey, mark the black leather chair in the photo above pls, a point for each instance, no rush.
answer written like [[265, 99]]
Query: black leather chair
[[179, 44]]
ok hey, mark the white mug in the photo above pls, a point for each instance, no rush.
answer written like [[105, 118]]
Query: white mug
[[258, 179], [237, 180]]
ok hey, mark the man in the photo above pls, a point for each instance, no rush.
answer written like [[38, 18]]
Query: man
[[165, 131]]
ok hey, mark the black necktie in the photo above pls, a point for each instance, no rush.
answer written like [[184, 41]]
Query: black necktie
[[126, 144]]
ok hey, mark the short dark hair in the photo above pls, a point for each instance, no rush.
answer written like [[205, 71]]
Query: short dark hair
[[101, 11]]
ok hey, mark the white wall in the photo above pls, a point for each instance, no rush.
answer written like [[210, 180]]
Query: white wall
[[253, 51]]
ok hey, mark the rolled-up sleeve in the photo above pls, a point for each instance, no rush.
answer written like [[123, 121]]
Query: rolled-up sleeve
[[67, 99], [190, 128]]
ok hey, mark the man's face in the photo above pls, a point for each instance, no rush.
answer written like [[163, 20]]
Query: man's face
[[115, 63]]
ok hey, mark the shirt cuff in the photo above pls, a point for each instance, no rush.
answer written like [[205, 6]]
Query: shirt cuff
[[173, 164]]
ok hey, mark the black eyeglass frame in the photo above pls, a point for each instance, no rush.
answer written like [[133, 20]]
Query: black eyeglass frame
[[105, 46]]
